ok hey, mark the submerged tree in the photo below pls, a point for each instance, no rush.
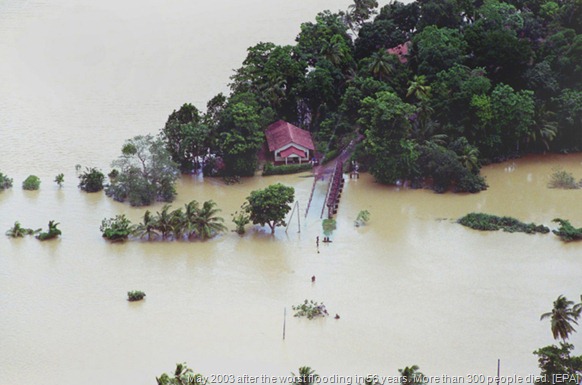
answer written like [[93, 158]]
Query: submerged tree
[[91, 180], [146, 172], [5, 181], [270, 205]]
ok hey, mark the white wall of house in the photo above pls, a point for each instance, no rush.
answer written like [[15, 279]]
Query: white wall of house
[[304, 149]]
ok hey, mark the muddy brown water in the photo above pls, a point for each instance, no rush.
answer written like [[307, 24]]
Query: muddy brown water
[[411, 287]]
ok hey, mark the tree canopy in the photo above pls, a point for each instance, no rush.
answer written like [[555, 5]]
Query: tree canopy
[[269, 206]]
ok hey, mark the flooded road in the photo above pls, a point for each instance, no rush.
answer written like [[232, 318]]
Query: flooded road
[[411, 287]]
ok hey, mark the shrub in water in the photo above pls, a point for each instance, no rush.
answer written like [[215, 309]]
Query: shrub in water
[[5, 181], [91, 180], [59, 179], [116, 229], [310, 309], [566, 231], [486, 222], [52, 232], [17, 231], [362, 218], [31, 183], [562, 179], [135, 295]]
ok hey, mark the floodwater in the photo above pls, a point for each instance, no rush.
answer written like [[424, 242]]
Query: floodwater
[[411, 287]]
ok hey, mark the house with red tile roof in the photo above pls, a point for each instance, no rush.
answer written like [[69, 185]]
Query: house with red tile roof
[[288, 143], [401, 51]]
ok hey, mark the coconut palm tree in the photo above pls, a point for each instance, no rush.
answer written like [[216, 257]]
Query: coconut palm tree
[[470, 158], [178, 222], [306, 376], [411, 376], [380, 66], [147, 227], [562, 317], [418, 87], [17, 231], [578, 307], [164, 222], [191, 210], [207, 223]]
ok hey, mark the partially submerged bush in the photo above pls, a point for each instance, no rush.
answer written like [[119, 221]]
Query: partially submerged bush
[[240, 219], [5, 181], [91, 180], [310, 309], [135, 295], [566, 231], [328, 225], [562, 179], [116, 229], [362, 218], [17, 231], [31, 183], [52, 232], [486, 222]]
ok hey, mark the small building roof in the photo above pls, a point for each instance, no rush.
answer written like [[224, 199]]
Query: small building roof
[[282, 133], [401, 51]]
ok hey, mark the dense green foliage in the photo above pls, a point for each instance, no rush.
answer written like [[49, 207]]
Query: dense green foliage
[[310, 309], [146, 172], [91, 180], [566, 231], [181, 376], [32, 182], [270, 169], [51, 233], [270, 205], [135, 295], [17, 231], [116, 229], [432, 88], [486, 222], [5, 182]]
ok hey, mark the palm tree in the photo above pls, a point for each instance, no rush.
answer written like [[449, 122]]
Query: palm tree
[[470, 158], [306, 376], [380, 66], [207, 223], [417, 87], [545, 128], [178, 222], [164, 222], [191, 210], [411, 376], [578, 307], [146, 227], [562, 317], [17, 231]]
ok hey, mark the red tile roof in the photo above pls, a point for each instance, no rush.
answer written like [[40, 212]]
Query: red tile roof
[[282, 133], [401, 51], [292, 150]]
